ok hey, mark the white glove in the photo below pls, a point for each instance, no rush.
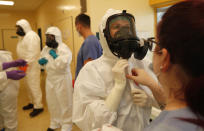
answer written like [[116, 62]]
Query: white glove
[[113, 100], [140, 98], [119, 72]]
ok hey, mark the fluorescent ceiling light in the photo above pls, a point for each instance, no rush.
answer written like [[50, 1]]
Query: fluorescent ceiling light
[[69, 7], [6, 2]]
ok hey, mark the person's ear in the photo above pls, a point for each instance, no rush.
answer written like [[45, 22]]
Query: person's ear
[[165, 57]]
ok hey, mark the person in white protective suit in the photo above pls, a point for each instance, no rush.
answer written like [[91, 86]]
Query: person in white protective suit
[[9, 90], [102, 94], [28, 48], [56, 58]]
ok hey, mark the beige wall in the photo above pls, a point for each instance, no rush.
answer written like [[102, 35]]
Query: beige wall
[[61, 13], [8, 21], [8, 18]]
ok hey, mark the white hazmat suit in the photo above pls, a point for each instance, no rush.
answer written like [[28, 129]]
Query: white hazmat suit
[[59, 90], [8, 98], [93, 86], [28, 48]]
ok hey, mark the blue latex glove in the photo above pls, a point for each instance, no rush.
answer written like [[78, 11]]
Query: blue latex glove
[[15, 74], [15, 63], [53, 53], [42, 61]]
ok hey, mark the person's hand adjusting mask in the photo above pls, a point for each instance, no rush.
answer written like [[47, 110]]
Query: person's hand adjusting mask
[[114, 98]]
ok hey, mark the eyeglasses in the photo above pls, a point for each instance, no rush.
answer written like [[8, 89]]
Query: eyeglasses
[[153, 44]]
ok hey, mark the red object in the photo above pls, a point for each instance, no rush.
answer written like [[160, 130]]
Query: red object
[[23, 68], [73, 83]]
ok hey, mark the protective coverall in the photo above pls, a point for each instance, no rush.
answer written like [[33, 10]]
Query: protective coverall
[[28, 48], [8, 97], [94, 84], [59, 88]]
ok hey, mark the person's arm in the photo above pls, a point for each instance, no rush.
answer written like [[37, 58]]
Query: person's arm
[[89, 107], [141, 77], [3, 76], [43, 60], [64, 57], [89, 51], [15, 63], [114, 98], [87, 60]]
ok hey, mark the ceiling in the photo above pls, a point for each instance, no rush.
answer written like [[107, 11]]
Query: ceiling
[[22, 5]]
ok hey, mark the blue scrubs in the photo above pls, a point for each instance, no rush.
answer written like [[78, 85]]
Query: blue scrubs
[[91, 48], [169, 121]]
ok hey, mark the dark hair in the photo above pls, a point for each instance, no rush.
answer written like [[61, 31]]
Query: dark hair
[[83, 19], [181, 32]]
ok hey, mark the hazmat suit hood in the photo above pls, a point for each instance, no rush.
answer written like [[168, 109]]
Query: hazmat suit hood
[[106, 51], [25, 25], [56, 32]]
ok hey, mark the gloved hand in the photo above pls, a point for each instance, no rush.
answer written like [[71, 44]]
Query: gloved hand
[[140, 97], [15, 63], [119, 70], [114, 98], [15, 74], [42, 61], [53, 53]]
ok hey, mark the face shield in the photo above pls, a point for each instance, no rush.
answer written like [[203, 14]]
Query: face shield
[[120, 34]]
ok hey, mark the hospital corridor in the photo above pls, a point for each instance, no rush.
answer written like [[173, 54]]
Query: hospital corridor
[[40, 123], [101, 65]]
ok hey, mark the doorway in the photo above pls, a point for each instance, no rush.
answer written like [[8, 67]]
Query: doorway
[[9, 41]]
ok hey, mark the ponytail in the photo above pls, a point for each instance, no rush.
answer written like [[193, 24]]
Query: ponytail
[[194, 96]]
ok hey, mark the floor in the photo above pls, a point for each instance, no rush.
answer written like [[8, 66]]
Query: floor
[[39, 123]]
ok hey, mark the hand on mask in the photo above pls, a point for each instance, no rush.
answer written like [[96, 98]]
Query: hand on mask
[[140, 97], [15, 74], [119, 72], [53, 53], [114, 98], [42, 61]]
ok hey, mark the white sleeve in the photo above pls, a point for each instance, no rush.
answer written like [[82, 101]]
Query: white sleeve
[[1, 66], [3, 76], [89, 109], [64, 57]]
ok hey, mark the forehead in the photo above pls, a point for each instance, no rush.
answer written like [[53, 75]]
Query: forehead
[[125, 22], [122, 22]]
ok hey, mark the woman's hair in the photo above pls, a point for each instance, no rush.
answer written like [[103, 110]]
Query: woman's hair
[[181, 32]]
